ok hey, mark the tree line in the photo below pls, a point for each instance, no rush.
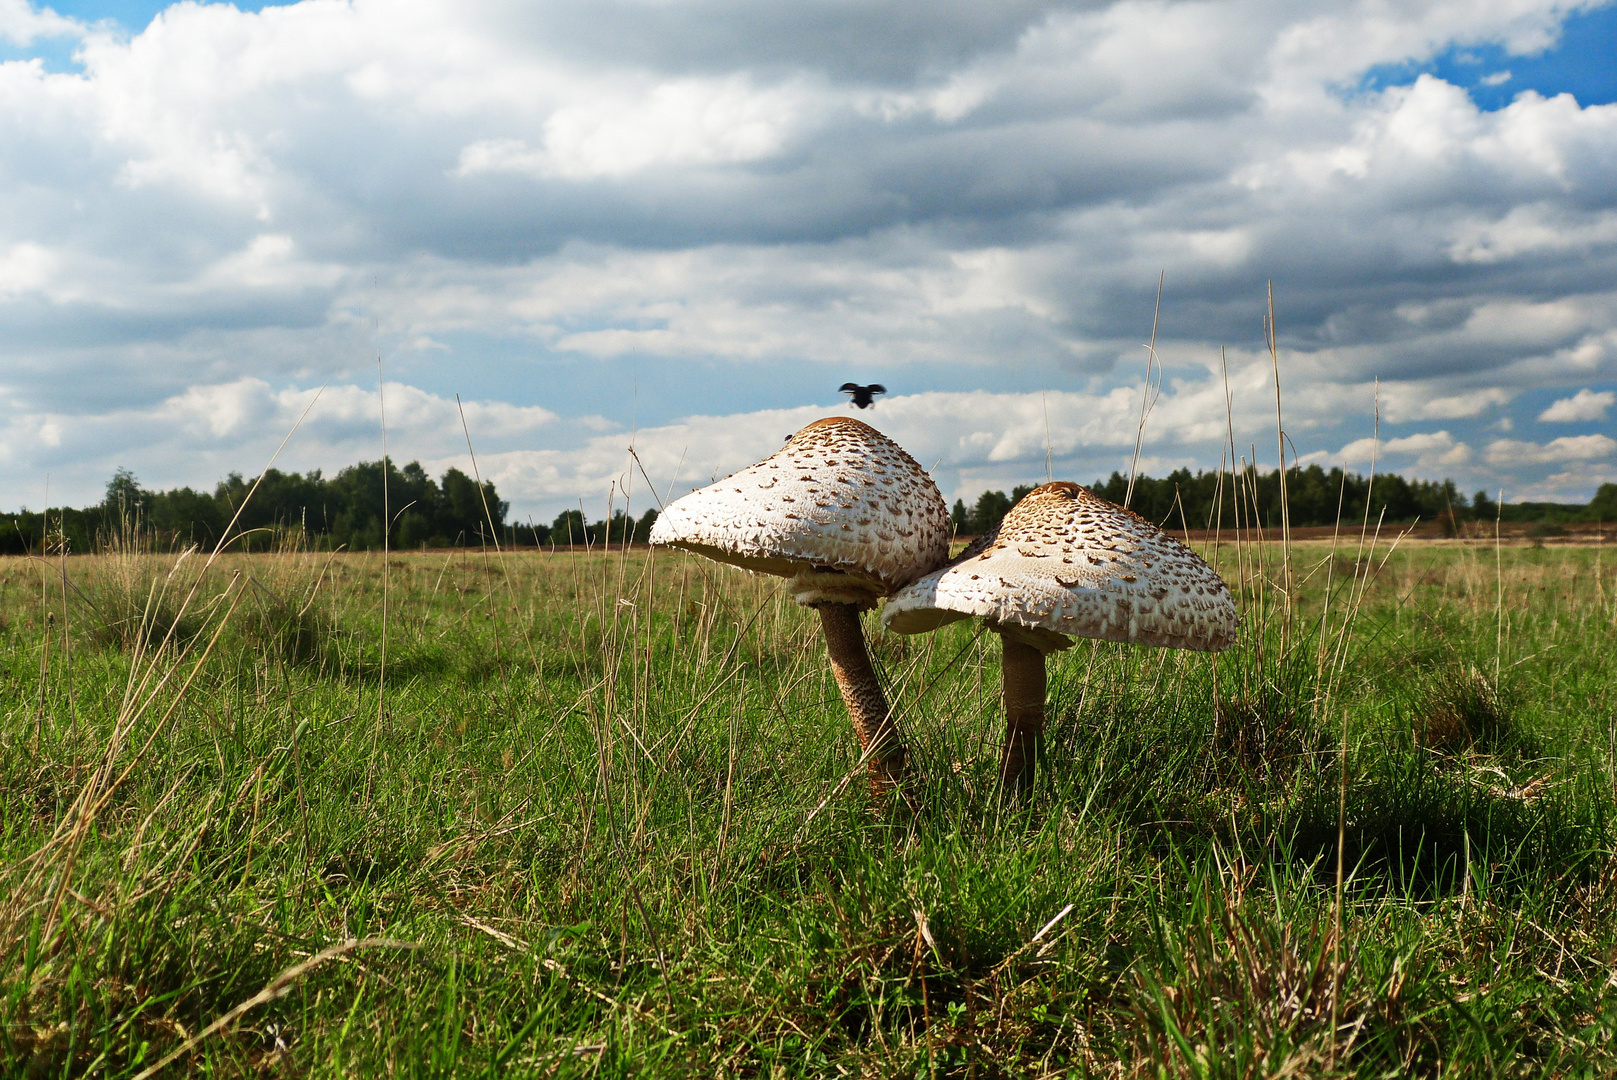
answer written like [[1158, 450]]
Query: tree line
[[347, 510], [1314, 496]]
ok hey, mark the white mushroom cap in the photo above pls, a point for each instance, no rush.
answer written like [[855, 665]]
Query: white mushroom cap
[[1068, 562], [841, 508]]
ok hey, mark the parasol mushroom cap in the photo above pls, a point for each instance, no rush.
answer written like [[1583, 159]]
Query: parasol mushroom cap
[[841, 509], [1065, 561]]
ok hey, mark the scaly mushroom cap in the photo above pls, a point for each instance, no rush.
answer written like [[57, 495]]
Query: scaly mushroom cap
[[841, 508], [1069, 562]]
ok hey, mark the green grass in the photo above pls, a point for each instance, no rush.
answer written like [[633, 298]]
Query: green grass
[[606, 802]]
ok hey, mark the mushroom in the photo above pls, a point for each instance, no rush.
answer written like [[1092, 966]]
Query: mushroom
[[844, 513], [1065, 561]]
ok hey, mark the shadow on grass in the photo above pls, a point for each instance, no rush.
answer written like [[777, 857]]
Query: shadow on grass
[[1260, 773]]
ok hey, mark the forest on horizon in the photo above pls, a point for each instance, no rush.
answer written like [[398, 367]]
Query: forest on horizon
[[347, 509]]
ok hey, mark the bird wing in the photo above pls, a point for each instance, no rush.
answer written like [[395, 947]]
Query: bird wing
[[876, 388], [848, 388]]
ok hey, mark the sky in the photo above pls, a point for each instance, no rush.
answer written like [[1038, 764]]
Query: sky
[[680, 225]]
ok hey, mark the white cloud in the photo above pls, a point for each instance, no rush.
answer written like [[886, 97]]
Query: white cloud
[[974, 440], [1566, 448], [1532, 229], [1573, 485], [961, 199], [1426, 451], [1585, 405], [685, 122], [1412, 402], [541, 461], [22, 24], [26, 268], [198, 435]]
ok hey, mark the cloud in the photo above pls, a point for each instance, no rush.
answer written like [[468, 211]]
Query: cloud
[[26, 268], [688, 122], [23, 24], [1533, 229], [197, 436], [1573, 485], [1566, 448], [541, 461], [1414, 402], [1426, 451], [1583, 406], [649, 213], [970, 439]]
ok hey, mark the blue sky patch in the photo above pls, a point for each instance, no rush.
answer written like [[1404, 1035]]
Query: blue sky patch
[[130, 16], [55, 53], [1583, 63], [133, 15]]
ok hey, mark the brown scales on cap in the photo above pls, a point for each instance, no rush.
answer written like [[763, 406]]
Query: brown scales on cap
[[839, 496], [1068, 562], [845, 513], [1064, 561]]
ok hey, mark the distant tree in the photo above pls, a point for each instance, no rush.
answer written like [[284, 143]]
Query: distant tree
[[1603, 507], [1113, 489], [464, 510], [185, 516], [124, 493], [613, 532], [568, 528], [347, 510], [990, 509]]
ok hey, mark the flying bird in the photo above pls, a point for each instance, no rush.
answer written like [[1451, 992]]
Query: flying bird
[[863, 396]]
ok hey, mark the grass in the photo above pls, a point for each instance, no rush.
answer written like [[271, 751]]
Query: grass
[[599, 815]]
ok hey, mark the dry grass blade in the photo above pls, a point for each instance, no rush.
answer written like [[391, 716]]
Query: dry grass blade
[[275, 988], [1285, 509], [148, 677], [1148, 392]]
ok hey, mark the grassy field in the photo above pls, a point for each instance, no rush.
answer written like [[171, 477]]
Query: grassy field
[[601, 815]]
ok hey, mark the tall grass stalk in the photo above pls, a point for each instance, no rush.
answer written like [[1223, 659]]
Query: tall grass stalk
[[387, 575], [149, 673], [493, 533], [1150, 390], [1272, 334]]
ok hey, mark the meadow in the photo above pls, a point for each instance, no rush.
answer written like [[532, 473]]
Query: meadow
[[600, 814]]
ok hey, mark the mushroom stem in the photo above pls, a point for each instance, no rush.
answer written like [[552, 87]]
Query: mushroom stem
[[1023, 671], [862, 694]]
